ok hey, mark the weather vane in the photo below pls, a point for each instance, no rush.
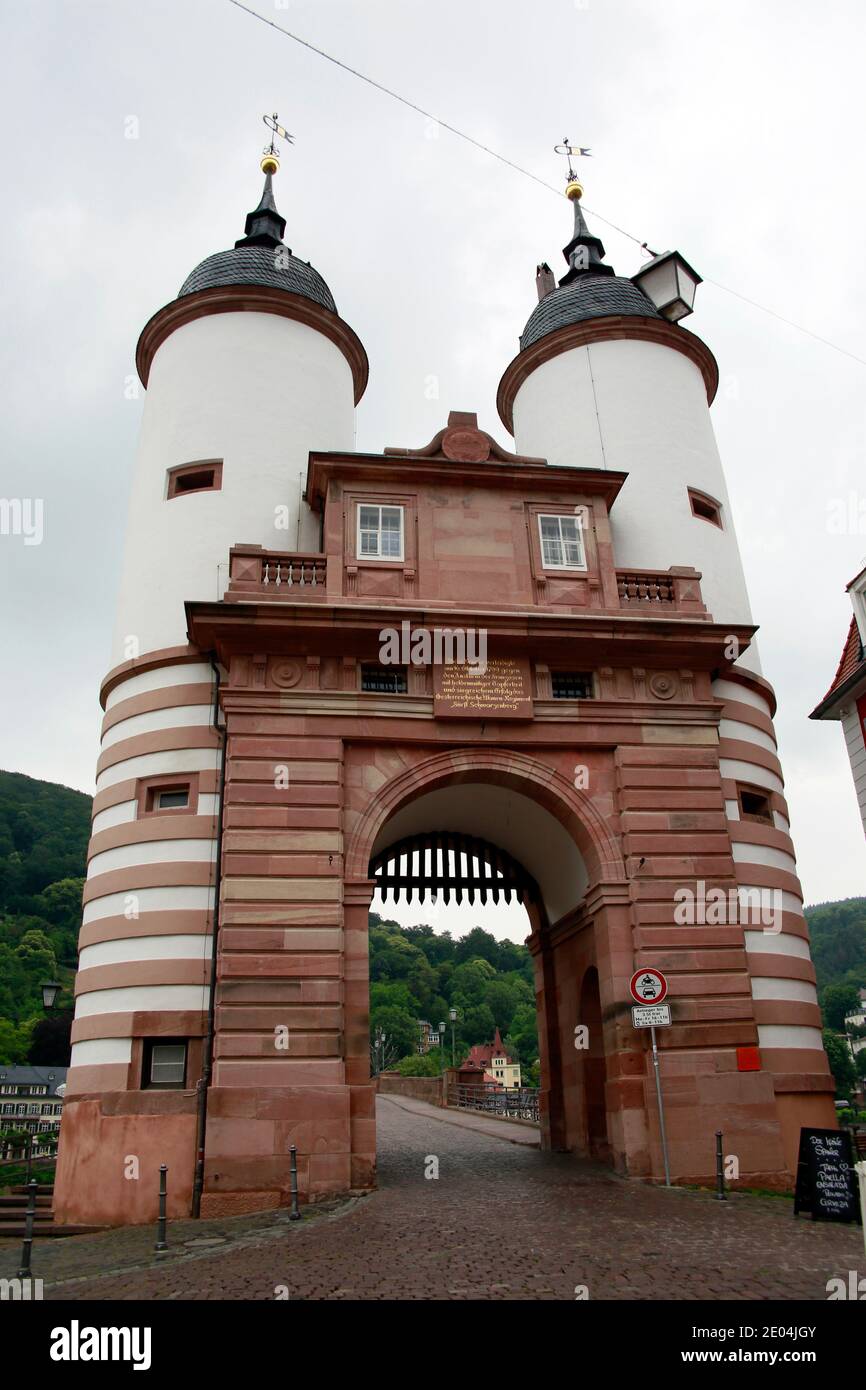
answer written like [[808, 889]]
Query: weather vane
[[270, 158], [574, 187]]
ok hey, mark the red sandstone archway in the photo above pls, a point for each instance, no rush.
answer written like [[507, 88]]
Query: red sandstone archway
[[542, 783], [573, 1096]]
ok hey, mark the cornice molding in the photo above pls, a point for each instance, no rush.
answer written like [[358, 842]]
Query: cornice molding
[[254, 299], [598, 331]]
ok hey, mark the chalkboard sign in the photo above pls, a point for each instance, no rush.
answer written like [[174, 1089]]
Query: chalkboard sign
[[827, 1185]]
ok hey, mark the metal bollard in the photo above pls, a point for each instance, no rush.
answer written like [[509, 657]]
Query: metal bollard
[[27, 1246], [163, 1188], [721, 1194], [294, 1214]]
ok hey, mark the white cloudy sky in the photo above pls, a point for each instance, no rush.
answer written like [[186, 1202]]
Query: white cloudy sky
[[732, 131]]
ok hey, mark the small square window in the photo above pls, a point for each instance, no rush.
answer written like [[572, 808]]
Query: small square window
[[561, 542], [164, 1065], [167, 795], [380, 532], [571, 685], [384, 680], [755, 805], [206, 476]]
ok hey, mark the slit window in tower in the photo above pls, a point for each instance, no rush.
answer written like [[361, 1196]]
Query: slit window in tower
[[380, 532], [706, 507], [561, 542], [754, 805], [384, 680], [164, 1064], [205, 476], [571, 685]]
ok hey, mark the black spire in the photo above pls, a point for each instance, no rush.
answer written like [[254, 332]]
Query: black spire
[[584, 252], [264, 226]]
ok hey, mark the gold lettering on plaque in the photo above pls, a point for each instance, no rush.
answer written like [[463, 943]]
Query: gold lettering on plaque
[[501, 689]]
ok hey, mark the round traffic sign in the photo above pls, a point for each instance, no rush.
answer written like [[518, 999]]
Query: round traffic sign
[[648, 986]]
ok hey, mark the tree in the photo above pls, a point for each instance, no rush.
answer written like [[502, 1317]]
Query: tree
[[50, 1041], [838, 933], [12, 1139], [60, 902], [837, 1001], [470, 982], [475, 1024], [477, 944], [423, 982], [841, 1063], [522, 1040], [421, 1064], [399, 1026], [14, 1042], [505, 996]]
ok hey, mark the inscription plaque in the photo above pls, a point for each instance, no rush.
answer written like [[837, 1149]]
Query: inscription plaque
[[501, 691]]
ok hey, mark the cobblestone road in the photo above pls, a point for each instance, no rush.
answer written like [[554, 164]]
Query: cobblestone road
[[501, 1221]]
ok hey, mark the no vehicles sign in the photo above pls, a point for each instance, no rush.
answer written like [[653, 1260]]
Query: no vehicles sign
[[648, 986]]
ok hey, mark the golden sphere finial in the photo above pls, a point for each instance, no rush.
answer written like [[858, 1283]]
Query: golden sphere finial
[[573, 189], [270, 163]]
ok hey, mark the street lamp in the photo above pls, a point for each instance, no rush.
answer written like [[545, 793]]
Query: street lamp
[[442, 1043], [50, 990], [379, 1049], [670, 283], [452, 1014]]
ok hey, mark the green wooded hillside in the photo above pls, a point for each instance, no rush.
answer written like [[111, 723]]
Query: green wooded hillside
[[417, 973], [44, 829]]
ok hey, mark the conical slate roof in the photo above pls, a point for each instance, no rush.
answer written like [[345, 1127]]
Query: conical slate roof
[[586, 297], [590, 289], [261, 258]]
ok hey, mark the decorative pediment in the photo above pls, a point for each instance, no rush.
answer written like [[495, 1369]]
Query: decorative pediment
[[461, 441]]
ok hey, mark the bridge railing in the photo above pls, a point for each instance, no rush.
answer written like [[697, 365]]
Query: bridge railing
[[519, 1103]]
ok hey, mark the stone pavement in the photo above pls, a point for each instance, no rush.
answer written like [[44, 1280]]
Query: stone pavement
[[502, 1221]]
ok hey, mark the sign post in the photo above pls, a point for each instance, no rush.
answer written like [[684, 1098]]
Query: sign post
[[648, 988]]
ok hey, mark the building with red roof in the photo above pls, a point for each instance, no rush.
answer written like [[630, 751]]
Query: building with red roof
[[846, 698], [498, 1066]]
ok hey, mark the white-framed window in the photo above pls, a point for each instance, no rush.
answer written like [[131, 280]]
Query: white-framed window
[[171, 800], [380, 532], [165, 1063], [561, 542]]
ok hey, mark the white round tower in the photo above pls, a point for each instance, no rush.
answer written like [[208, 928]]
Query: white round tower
[[246, 371], [604, 379]]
